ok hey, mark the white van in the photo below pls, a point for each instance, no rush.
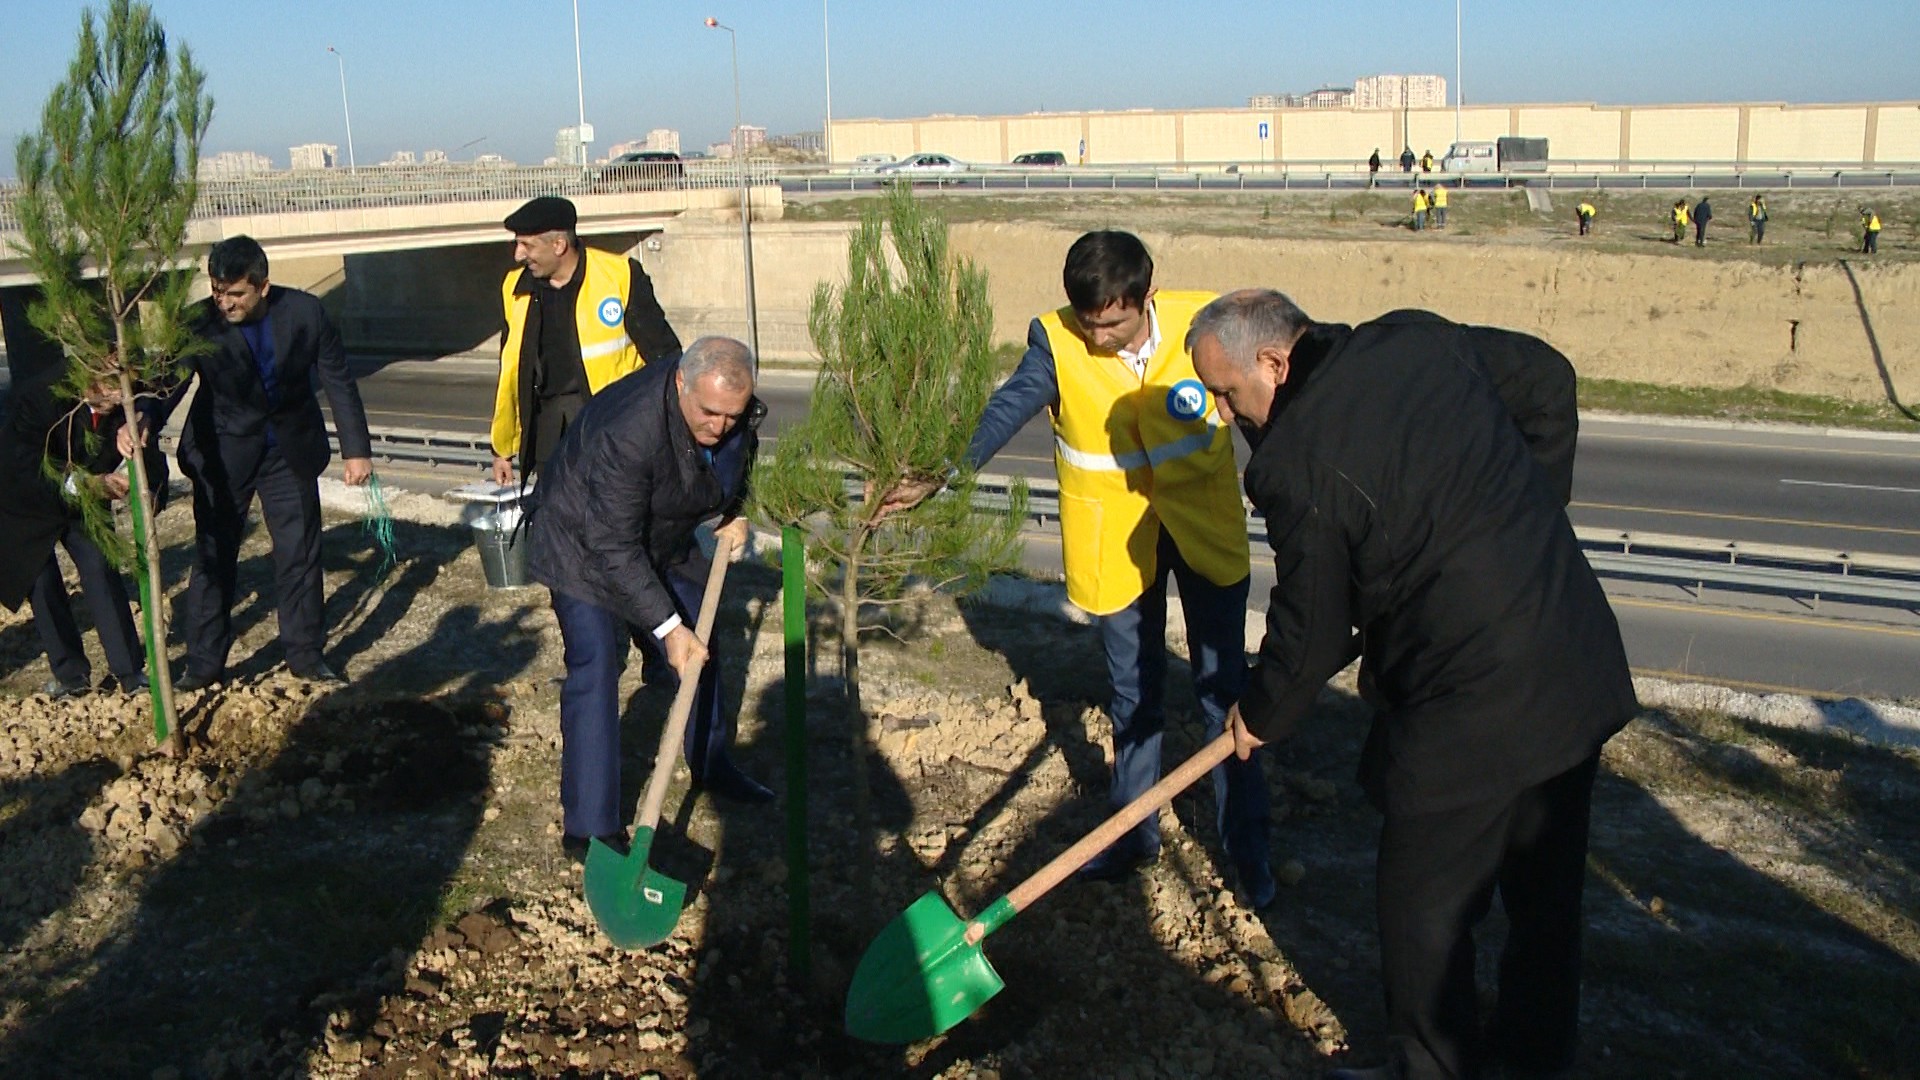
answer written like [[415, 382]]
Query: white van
[[1466, 157], [870, 162]]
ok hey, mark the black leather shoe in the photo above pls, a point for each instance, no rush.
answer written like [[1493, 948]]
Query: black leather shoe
[[135, 683], [728, 782], [1257, 886], [1117, 863], [195, 680], [576, 847], [1376, 1072], [318, 672], [60, 691]]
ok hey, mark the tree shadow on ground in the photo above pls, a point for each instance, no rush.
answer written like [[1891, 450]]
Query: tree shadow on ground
[[44, 853], [1699, 960], [293, 906]]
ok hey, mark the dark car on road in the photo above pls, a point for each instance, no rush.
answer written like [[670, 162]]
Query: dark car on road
[[644, 169], [1041, 159]]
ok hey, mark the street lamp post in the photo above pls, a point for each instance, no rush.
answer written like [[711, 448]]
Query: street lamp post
[[746, 192], [1456, 71], [826, 40], [352, 166], [583, 133]]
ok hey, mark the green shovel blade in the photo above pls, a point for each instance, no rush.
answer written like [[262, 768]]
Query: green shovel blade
[[635, 905], [920, 976]]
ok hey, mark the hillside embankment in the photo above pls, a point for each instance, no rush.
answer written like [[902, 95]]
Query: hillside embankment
[[1837, 328]]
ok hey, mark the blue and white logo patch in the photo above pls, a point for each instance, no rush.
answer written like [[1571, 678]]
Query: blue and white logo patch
[[611, 311], [1187, 400]]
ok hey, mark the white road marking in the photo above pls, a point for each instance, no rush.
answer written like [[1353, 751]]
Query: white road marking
[[1851, 487]]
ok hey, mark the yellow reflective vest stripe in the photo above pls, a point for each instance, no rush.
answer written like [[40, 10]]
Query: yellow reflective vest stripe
[[1134, 453], [600, 317]]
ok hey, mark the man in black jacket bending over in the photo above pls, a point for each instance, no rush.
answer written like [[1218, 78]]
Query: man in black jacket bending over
[[647, 460], [255, 427], [1392, 463]]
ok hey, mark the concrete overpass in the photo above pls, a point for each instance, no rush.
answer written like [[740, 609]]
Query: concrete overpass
[[382, 209], [409, 260]]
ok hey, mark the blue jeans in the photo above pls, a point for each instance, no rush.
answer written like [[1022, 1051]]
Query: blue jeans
[[596, 642], [1135, 639]]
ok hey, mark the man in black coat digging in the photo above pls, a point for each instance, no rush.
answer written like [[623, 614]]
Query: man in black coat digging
[[1392, 463], [647, 459]]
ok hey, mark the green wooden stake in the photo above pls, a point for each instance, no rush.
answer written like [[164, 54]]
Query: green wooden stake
[[793, 603], [155, 647]]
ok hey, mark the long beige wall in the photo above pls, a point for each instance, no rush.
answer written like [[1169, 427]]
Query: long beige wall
[[1763, 133]]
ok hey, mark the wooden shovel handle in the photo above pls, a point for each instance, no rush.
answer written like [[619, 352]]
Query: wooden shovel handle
[[1027, 892], [683, 699]]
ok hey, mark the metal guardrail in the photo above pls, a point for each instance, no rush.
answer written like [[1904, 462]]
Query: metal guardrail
[[1689, 562]]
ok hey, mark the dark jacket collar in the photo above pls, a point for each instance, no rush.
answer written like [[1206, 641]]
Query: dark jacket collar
[[1310, 355]]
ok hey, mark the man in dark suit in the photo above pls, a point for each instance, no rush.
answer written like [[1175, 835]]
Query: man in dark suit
[[1413, 475], [255, 427], [649, 458], [43, 424]]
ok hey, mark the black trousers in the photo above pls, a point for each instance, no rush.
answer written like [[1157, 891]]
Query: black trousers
[[106, 594], [1437, 876], [290, 509]]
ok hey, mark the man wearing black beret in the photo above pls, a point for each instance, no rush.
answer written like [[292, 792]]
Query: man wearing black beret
[[576, 319]]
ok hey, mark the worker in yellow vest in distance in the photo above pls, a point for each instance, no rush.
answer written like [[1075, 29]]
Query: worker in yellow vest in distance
[[576, 319], [1585, 213], [1419, 208], [1680, 220], [1438, 202], [1148, 492], [1869, 231], [1426, 161]]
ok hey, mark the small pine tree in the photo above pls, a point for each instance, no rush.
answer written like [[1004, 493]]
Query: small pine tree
[[906, 349], [106, 189]]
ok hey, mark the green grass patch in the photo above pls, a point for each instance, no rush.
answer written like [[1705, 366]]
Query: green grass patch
[[1746, 403]]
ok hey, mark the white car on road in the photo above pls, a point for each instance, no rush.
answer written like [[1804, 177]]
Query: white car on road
[[934, 167]]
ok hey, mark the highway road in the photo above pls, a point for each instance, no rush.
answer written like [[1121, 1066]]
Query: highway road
[[1841, 492]]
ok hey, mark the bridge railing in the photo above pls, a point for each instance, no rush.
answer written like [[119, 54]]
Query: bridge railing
[[382, 186]]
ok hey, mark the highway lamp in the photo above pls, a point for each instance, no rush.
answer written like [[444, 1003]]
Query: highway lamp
[[1456, 70], [746, 192], [583, 133], [826, 41], [352, 166]]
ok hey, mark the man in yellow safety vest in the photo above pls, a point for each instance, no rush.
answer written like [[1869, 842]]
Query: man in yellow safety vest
[[1148, 491], [577, 318]]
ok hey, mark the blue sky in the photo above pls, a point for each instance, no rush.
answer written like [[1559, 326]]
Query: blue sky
[[427, 74]]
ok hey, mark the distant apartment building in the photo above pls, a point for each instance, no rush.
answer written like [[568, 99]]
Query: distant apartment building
[[663, 139], [567, 147], [315, 156], [1400, 92], [1276, 101], [491, 160], [806, 142], [401, 157], [434, 157], [1328, 97], [720, 150], [229, 164], [750, 137]]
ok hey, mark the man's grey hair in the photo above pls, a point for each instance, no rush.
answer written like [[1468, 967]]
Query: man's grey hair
[[724, 357], [1244, 321]]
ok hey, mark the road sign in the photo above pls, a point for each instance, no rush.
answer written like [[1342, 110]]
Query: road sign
[[1263, 131]]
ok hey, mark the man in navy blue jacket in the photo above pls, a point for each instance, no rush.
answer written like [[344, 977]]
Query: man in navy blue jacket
[[648, 458]]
